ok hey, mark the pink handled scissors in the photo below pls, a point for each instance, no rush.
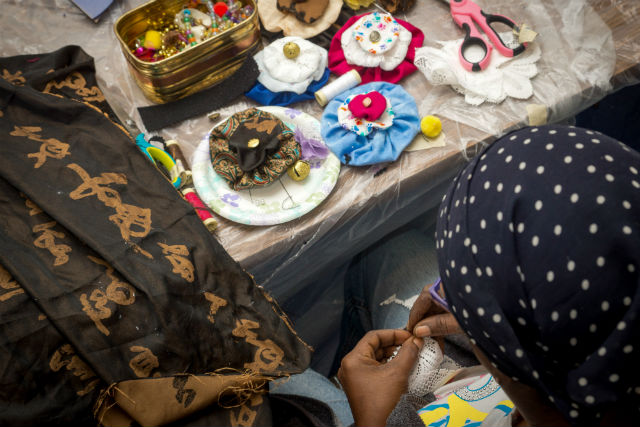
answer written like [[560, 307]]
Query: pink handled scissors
[[465, 13]]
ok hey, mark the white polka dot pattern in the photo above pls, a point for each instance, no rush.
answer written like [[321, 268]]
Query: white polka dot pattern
[[551, 232]]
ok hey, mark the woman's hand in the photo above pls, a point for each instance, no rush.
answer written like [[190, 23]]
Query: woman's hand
[[374, 386], [428, 319]]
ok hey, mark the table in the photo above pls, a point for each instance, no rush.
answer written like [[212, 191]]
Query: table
[[590, 48]]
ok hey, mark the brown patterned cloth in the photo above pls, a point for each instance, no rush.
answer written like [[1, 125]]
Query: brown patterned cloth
[[397, 6], [324, 38], [305, 10], [244, 167], [116, 304]]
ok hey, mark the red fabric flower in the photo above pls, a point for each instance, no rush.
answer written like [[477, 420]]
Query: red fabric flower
[[339, 65]]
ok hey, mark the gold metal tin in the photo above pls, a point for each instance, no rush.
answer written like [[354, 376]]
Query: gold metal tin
[[193, 69]]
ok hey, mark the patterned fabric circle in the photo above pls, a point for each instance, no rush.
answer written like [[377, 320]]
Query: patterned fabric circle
[[229, 155], [386, 27], [361, 126]]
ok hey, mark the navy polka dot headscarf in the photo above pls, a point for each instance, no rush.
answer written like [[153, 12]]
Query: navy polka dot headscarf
[[538, 246]]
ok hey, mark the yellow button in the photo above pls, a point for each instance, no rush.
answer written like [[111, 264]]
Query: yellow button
[[291, 50], [431, 126], [253, 143]]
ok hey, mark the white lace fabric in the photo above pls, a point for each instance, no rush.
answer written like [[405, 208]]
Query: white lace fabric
[[387, 53], [432, 369], [360, 126], [504, 77], [281, 74]]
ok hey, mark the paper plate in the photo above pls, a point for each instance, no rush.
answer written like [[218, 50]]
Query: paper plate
[[278, 202]]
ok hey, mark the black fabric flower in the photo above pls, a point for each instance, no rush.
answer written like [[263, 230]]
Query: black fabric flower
[[255, 139]]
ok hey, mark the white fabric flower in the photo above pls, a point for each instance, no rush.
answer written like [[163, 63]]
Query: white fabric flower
[[505, 76], [281, 74], [386, 49]]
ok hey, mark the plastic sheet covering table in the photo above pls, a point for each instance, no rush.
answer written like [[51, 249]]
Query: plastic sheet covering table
[[589, 48]]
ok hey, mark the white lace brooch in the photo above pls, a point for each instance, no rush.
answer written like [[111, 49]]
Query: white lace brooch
[[376, 40], [504, 77], [280, 73]]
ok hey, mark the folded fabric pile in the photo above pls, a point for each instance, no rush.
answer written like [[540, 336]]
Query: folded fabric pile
[[115, 299]]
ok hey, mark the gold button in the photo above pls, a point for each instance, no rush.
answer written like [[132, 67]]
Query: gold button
[[366, 102], [291, 50], [253, 143], [299, 171], [374, 37]]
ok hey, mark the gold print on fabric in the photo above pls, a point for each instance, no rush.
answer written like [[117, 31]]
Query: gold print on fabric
[[184, 395], [50, 147], [76, 81], [261, 124], [144, 362], [132, 221], [268, 356], [47, 241], [9, 285], [176, 255], [216, 303], [15, 79], [33, 208], [65, 357], [246, 416], [117, 291]]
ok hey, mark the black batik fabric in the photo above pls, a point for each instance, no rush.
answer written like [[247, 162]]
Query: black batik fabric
[[115, 301]]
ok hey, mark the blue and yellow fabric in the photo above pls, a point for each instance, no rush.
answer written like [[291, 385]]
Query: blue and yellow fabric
[[468, 406], [158, 155], [380, 144]]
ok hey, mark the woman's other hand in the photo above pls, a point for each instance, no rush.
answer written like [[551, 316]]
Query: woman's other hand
[[428, 319]]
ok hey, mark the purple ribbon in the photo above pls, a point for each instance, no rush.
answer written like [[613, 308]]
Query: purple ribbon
[[310, 148]]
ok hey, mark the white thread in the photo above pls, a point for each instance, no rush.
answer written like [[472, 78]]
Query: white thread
[[344, 82], [408, 303]]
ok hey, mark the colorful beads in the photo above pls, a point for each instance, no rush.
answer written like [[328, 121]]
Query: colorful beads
[[220, 8], [167, 36]]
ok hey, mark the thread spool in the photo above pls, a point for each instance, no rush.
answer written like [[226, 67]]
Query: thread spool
[[201, 209], [344, 82], [173, 148]]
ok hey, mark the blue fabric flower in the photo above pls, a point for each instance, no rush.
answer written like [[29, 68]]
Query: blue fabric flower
[[264, 96], [381, 145]]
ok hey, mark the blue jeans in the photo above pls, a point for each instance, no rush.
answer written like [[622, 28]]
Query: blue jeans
[[400, 264]]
